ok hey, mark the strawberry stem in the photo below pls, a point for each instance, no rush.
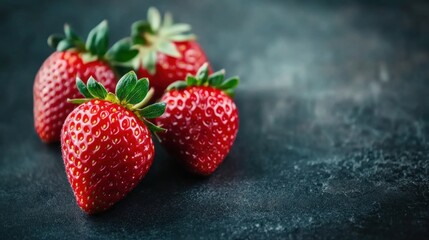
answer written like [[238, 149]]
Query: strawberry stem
[[150, 37]]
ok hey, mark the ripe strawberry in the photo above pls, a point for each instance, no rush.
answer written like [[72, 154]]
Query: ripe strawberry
[[162, 51], [105, 142], [54, 82], [201, 120]]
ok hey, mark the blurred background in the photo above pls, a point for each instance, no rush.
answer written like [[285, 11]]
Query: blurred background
[[333, 138]]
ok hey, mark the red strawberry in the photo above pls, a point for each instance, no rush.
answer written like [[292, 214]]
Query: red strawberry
[[162, 51], [54, 82], [201, 120], [106, 145]]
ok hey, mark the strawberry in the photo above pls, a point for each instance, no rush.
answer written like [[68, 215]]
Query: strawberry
[[201, 120], [54, 82], [160, 50], [105, 142]]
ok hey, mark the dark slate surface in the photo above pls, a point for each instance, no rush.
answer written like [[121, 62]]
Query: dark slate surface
[[333, 141]]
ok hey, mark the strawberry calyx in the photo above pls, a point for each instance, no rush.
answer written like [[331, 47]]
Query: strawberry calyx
[[94, 48], [202, 78], [148, 37], [131, 93]]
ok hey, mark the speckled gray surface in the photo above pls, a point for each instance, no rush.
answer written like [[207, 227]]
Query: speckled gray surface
[[333, 141]]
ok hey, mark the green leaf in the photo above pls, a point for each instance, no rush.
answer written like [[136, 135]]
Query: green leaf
[[98, 39], [138, 27], [64, 45], [96, 89], [102, 40], [125, 85], [191, 80], [230, 83], [54, 40], [203, 73], [91, 39], [82, 88], [216, 78], [139, 91], [70, 34], [149, 62], [177, 85], [168, 20], [169, 48], [153, 111], [229, 92], [175, 29], [152, 127], [137, 30], [138, 40], [121, 51], [154, 18]]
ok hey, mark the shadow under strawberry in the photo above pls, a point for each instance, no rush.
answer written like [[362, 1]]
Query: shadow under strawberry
[[154, 200]]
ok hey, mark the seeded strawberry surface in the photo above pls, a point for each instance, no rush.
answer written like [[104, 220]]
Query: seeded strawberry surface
[[55, 82], [107, 150], [169, 69], [202, 124]]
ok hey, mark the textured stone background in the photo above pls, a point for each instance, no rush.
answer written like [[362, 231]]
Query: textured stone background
[[333, 139]]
